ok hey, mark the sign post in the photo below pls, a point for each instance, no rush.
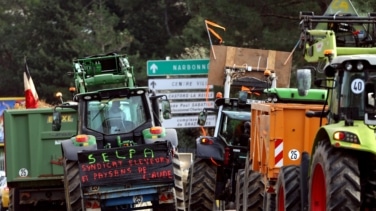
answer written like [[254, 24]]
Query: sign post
[[188, 122], [177, 67], [179, 84]]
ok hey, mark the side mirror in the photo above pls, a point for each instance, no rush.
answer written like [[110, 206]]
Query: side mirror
[[166, 109], [369, 104], [369, 98], [304, 81], [202, 118], [56, 121]]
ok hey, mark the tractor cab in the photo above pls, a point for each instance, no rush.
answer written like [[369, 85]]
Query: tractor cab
[[117, 116], [355, 78]]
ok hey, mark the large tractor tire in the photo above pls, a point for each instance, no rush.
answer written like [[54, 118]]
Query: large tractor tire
[[335, 179], [165, 207], [179, 185], [269, 201], [72, 186], [201, 184], [368, 169], [255, 188], [13, 199], [288, 188], [239, 192]]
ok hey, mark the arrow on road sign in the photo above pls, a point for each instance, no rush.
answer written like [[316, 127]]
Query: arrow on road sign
[[179, 84], [154, 68], [153, 84]]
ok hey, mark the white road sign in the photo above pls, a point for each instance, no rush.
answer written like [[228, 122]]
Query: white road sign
[[179, 84], [187, 122], [190, 106], [188, 95]]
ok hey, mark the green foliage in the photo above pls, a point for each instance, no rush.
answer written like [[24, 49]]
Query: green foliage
[[51, 33]]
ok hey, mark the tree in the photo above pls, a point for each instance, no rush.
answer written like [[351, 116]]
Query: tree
[[12, 24], [53, 32], [98, 30]]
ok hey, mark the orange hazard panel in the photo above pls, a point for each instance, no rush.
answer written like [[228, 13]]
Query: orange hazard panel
[[280, 133]]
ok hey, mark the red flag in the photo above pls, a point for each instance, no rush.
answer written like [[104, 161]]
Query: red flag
[[31, 96]]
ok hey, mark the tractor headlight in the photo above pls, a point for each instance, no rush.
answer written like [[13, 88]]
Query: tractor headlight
[[348, 66], [359, 66]]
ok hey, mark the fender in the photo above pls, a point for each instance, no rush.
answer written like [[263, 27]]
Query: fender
[[70, 151], [168, 135], [365, 136], [172, 137], [214, 149]]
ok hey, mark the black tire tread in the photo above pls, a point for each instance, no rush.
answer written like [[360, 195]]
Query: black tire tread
[[289, 179], [240, 177], [72, 185], [342, 177], [12, 200], [255, 190], [269, 201], [200, 194], [179, 185]]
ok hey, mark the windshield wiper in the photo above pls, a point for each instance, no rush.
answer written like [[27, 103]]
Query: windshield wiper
[[100, 110]]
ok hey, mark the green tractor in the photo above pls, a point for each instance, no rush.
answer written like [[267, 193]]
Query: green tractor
[[121, 158], [340, 171], [102, 72]]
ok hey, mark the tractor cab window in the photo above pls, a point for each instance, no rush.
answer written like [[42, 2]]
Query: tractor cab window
[[352, 99], [235, 128], [114, 116], [370, 89]]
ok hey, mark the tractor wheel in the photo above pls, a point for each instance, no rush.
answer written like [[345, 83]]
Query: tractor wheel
[[201, 184], [179, 186], [166, 207], [369, 182], [335, 179], [72, 186], [13, 199], [255, 188], [288, 188], [239, 189], [269, 201]]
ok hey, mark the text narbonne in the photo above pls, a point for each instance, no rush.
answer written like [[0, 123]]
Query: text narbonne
[[144, 163]]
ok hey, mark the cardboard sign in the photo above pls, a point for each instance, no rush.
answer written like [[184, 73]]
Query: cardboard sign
[[149, 163], [257, 60]]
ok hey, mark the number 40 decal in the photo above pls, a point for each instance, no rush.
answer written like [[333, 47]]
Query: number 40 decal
[[357, 86]]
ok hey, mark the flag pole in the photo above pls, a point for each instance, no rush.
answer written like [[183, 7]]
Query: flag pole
[[293, 50], [211, 43]]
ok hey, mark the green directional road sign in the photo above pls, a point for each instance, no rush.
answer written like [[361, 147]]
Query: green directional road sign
[[177, 67]]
